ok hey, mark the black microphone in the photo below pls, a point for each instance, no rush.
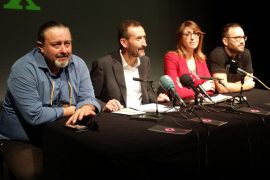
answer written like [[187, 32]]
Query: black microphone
[[234, 68], [199, 86], [142, 80], [203, 91], [187, 81], [148, 116], [220, 82], [214, 79], [167, 84], [152, 86], [210, 78]]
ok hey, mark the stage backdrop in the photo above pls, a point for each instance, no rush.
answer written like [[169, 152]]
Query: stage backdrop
[[93, 25]]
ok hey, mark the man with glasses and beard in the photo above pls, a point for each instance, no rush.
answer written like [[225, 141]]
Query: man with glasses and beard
[[47, 83], [112, 75], [233, 50]]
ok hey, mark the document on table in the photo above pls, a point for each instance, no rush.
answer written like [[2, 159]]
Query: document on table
[[129, 111], [152, 107], [217, 98], [145, 108]]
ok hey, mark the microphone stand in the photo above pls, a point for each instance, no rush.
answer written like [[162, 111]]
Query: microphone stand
[[175, 102], [198, 102], [149, 116], [240, 98], [158, 115]]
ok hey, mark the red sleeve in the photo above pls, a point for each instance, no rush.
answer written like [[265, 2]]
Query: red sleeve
[[203, 71], [174, 66]]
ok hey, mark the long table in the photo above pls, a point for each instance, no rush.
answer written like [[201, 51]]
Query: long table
[[125, 148]]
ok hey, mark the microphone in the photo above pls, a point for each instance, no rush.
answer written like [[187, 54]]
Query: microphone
[[220, 82], [142, 80], [233, 68], [188, 82], [197, 84], [214, 79], [211, 78], [151, 82], [203, 91], [167, 84], [148, 116]]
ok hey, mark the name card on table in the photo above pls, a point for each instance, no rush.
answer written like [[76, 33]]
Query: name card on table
[[169, 130], [209, 121]]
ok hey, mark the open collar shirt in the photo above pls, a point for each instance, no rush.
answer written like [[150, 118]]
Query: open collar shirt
[[28, 100]]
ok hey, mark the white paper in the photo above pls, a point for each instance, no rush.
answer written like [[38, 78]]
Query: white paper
[[218, 98], [144, 109], [152, 108], [128, 111]]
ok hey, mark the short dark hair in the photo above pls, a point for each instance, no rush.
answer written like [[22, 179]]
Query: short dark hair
[[227, 27], [123, 26], [46, 26]]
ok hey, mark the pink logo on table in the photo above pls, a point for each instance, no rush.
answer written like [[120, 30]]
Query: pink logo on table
[[169, 129], [254, 110], [206, 120]]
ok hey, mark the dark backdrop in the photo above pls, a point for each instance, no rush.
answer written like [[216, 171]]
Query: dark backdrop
[[93, 24]]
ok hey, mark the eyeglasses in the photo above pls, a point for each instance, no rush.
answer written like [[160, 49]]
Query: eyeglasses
[[189, 34], [239, 38]]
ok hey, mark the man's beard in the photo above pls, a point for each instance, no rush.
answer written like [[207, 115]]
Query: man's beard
[[61, 64], [137, 53]]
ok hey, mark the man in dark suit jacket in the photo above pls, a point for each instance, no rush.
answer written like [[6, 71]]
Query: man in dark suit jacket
[[112, 74]]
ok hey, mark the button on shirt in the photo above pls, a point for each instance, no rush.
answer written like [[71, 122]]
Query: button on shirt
[[28, 103]]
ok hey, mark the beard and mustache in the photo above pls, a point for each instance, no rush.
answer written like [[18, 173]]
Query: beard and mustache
[[58, 63], [61, 64]]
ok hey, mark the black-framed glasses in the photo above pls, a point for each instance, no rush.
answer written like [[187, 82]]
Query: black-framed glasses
[[195, 34], [238, 38]]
